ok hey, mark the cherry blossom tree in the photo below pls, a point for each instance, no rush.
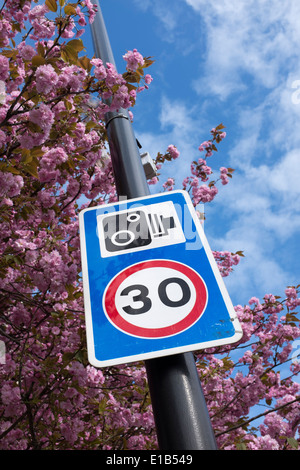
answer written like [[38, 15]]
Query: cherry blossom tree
[[53, 163]]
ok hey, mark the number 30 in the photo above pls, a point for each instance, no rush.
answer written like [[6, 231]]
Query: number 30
[[162, 293]]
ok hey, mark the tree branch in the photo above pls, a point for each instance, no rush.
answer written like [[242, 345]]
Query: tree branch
[[257, 416]]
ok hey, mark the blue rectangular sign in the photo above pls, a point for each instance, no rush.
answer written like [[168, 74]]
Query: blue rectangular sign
[[151, 285]]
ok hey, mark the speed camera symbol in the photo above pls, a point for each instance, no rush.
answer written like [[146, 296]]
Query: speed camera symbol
[[137, 229]]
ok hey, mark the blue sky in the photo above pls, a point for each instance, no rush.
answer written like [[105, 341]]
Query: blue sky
[[238, 63]]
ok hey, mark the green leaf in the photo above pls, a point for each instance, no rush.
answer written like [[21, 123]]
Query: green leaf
[[41, 49], [240, 253], [76, 44], [90, 125], [148, 62], [52, 5], [102, 406], [37, 60], [16, 26], [69, 54], [67, 104], [291, 317], [26, 156], [131, 87], [8, 53], [31, 168], [33, 127], [67, 357], [131, 77], [85, 63], [37, 152], [69, 10], [241, 446], [293, 442], [6, 167]]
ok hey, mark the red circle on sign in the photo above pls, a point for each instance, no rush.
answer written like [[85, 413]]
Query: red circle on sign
[[122, 324]]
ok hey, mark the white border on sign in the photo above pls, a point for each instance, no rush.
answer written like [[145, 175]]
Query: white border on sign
[[166, 352]]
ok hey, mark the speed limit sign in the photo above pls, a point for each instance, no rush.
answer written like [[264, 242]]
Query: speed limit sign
[[151, 284], [155, 299]]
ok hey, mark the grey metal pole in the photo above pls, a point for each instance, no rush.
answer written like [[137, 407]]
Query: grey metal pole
[[179, 408], [126, 160]]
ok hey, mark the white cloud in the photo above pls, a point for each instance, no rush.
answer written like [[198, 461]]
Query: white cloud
[[178, 126], [258, 273], [284, 177], [177, 116], [255, 37], [166, 15], [259, 213], [249, 58]]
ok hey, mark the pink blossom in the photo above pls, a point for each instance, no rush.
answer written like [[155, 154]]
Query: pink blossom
[[2, 138], [48, 171], [173, 151], [26, 51], [205, 145], [263, 443], [134, 59], [113, 78], [43, 116], [253, 300], [72, 405], [100, 71], [169, 184], [224, 173], [291, 292], [5, 32], [201, 170], [204, 193], [148, 79], [68, 31], [81, 20], [79, 33], [292, 297], [153, 180], [121, 98], [10, 185], [185, 182], [46, 78], [92, 9], [4, 67], [42, 27]]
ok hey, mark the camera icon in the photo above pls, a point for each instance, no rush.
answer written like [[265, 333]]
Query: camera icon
[[138, 229]]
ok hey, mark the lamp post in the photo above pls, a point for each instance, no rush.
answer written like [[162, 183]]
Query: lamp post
[[179, 407]]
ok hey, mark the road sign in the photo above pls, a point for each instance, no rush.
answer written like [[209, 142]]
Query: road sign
[[151, 285]]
